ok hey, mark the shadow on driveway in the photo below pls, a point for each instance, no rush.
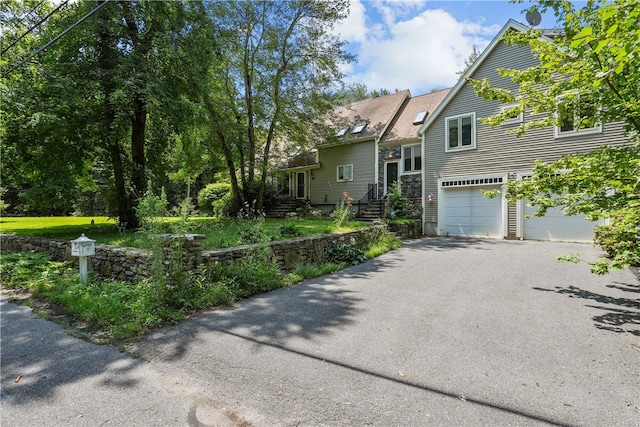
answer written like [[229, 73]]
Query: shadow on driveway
[[625, 319]]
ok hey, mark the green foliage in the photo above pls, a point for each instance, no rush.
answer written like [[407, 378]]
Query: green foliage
[[255, 273], [271, 82], [127, 311], [286, 231], [223, 208], [602, 185], [475, 54], [254, 233], [594, 53], [114, 97], [384, 243], [401, 206], [212, 193], [343, 211], [594, 56], [344, 253], [308, 211]]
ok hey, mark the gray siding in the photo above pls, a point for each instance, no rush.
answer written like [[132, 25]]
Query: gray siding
[[325, 189], [498, 152]]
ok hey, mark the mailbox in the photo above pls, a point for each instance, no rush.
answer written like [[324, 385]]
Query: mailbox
[[83, 246]]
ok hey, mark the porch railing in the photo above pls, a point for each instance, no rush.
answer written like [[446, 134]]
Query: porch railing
[[372, 194]]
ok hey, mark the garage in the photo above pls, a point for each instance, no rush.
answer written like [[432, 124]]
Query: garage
[[555, 225], [467, 212]]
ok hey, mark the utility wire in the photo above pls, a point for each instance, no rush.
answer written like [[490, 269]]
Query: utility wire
[[62, 34], [33, 27], [20, 20], [24, 16]]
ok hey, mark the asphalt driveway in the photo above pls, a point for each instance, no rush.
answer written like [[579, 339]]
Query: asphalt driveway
[[442, 332]]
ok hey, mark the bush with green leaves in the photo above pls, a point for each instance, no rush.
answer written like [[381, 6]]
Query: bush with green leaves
[[343, 252], [401, 206], [308, 211], [211, 194]]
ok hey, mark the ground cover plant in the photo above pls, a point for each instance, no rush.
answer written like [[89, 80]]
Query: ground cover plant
[[122, 311], [221, 233]]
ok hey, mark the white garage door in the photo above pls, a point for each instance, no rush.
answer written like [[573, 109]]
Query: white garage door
[[556, 226], [468, 213]]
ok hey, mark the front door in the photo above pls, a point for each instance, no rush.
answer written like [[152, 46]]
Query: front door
[[390, 175], [300, 185]]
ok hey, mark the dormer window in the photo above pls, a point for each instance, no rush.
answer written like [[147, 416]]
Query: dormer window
[[420, 117], [359, 128]]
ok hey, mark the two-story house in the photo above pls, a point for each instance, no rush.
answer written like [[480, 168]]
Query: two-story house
[[348, 162], [463, 156]]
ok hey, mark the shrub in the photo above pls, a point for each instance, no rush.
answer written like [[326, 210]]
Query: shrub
[[620, 241], [212, 193], [399, 206], [308, 211], [343, 252], [224, 207]]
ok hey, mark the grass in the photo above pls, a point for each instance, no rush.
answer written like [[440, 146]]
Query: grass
[[124, 311], [221, 233]]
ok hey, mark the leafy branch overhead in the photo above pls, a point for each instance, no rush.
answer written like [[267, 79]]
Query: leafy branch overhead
[[593, 60]]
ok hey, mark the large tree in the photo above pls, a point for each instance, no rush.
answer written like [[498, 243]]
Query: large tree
[[591, 63], [114, 91], [277, 64]]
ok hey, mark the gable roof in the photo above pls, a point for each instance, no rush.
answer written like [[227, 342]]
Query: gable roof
[[375, 113], [405, 126], [510, 25]]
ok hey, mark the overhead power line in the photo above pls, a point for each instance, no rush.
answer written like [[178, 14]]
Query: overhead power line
[[58, 37], [34, 26], [21, 20]]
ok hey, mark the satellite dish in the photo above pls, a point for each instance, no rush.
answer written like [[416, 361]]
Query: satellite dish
[[533, 17]]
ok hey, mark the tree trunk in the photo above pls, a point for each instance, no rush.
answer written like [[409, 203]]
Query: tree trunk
[[138, 173], [107, 60]]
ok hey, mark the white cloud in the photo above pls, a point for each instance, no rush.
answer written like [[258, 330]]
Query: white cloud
[[419, 53], [353, 28]]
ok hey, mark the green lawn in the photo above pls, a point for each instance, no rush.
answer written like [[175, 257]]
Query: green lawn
[[221, 233]]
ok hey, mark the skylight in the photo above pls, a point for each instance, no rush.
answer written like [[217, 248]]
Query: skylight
[[342, 131], [359, 128], [419, 119]]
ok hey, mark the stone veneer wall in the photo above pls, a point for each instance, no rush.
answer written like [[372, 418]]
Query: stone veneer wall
[[132, 264]]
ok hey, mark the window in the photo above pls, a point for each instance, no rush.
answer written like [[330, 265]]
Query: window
[[342, 131], [514, 116], [412, 158], [419, 119], [460, 132], [345, 173], [359, 128], [577, 113]]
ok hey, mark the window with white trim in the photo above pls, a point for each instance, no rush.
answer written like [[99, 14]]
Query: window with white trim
[[577, 114], [345, 173], [514, 115], [411, 158], [460, 132]]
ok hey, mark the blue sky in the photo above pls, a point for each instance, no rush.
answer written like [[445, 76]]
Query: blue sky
[[419, 45]]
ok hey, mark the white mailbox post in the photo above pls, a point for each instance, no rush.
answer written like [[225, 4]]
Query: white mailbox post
[[83, 247]]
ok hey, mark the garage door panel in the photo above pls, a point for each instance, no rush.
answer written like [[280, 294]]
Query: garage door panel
[[468, 213], [555, 225]]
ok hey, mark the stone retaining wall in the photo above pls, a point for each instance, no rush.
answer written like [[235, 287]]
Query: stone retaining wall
[[132, 264]]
